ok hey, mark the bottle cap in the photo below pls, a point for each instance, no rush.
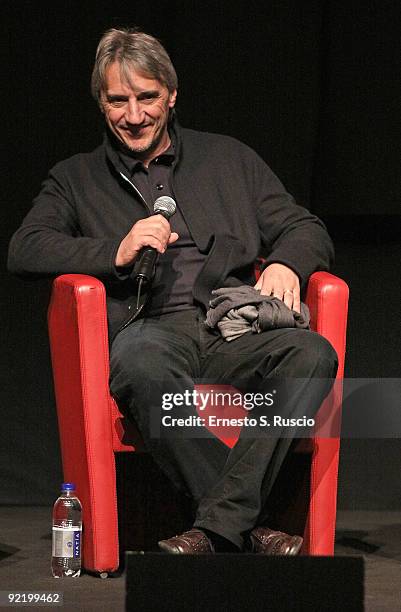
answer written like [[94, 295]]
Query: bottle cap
[[68, 486]]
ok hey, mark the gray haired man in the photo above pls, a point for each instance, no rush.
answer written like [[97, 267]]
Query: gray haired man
[[94, 216]]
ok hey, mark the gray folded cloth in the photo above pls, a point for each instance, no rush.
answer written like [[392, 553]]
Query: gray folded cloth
[[238, 310]]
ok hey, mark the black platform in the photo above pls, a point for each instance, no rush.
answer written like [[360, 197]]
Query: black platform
[[237, 582]]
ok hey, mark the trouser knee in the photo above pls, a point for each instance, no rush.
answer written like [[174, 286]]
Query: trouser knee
[[311, 355]]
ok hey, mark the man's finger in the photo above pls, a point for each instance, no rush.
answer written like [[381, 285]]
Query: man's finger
[[288, 298], [278, 292], [173, 237], [265, 286], [297, 303]]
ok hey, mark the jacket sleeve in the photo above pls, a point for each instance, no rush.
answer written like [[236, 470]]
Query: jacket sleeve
[[49, 241], [290, 234]]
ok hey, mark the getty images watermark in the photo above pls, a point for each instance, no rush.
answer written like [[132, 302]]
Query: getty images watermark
[[214, 400], [354, 408]]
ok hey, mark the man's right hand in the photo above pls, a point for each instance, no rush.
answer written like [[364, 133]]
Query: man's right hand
[[154, 231]]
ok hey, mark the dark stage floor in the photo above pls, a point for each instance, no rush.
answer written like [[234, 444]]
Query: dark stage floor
[[25, 544]]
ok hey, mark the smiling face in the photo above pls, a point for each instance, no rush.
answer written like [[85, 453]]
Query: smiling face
[[137, 111]]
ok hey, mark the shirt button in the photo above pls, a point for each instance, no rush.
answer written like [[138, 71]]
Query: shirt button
[[159, 186]]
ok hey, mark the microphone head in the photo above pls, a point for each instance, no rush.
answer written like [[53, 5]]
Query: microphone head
[[165, 206]]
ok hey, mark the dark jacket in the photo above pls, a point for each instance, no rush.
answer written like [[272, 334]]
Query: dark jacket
[[232, 203]]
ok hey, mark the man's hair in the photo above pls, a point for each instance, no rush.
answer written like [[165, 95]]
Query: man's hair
[[132, 49]]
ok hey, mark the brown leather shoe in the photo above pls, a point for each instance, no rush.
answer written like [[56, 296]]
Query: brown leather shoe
[[193, 542], [265, 541]]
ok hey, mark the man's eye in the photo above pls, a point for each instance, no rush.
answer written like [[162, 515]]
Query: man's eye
[[147, 99], [115, 102]]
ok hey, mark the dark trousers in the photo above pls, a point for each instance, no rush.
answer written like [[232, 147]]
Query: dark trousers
[[166, 355]]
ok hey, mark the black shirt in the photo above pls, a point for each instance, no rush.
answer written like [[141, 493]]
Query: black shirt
[[177, 269]]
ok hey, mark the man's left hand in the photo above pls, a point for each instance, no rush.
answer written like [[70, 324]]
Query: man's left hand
[[281, 282]]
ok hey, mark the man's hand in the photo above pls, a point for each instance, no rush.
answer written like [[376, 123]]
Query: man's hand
[[281, 282], [154, 231]]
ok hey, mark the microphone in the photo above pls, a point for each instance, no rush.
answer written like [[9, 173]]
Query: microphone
[[165, 206]]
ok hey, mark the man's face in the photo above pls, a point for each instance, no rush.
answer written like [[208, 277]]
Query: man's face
[[137, 112]]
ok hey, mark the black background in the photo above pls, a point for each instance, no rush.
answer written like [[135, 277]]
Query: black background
[[312, 86]]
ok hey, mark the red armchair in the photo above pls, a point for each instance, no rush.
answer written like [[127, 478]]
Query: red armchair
[[91, 426]]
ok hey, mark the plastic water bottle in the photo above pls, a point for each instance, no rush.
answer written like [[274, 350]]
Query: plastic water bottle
[[67, 531]]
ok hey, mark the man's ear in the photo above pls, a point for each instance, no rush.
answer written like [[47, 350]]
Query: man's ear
[[172, 99], [100, 103]]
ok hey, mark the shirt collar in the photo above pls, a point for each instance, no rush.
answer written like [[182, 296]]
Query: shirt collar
[[113, 146], [133, 164]]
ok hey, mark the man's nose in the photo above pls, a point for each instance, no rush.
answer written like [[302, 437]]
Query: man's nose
[[133, 113]]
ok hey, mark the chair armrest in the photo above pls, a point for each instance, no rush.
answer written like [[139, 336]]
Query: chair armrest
[[77, 323], [327, 299]]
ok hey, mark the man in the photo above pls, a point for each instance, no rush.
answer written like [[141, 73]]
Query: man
[[94, 216]]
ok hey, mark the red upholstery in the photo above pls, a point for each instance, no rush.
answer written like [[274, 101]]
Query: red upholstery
[[92, 428]]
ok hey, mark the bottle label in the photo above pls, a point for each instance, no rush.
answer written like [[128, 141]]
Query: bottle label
[[67, 542]]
